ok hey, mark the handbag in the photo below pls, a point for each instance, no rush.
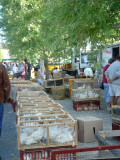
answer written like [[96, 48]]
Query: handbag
[[102, 85]]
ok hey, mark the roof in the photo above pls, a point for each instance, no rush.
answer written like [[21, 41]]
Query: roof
[[10, 60]]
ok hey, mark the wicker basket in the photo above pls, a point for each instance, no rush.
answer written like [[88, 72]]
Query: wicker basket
[[58, 92]]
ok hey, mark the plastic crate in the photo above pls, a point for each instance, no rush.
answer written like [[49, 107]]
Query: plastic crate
[[40, 154], [86, 105], [35, 154], [116, 126], [97, 153]]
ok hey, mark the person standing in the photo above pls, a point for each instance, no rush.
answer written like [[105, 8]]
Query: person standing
[[55, 70], [27, 69], [113, 78], [106, 85], [4, 91]]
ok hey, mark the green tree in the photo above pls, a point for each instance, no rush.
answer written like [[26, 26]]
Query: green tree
[[45, 29]]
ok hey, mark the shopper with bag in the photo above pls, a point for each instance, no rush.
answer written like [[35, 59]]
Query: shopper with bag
[[106, 85]]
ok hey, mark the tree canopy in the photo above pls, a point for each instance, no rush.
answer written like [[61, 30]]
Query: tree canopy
[[50, 28]]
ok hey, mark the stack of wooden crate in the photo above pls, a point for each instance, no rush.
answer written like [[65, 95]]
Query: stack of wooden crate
[[116, 118], [85, 96], [71, 84], [24, 87], [42, 123], [21, 85]]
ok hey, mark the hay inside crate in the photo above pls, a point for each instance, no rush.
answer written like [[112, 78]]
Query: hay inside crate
[[116, 114], [58, 92], [58, 130], [85, 94]]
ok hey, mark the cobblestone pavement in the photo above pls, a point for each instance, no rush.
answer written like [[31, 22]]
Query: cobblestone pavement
[[8, 140]]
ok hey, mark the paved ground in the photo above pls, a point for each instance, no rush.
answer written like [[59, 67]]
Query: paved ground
[[8, 140]]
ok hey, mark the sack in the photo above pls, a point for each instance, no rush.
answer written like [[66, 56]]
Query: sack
[[102, 85]]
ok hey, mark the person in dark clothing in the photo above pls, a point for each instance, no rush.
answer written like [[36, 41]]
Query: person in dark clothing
[[27, 69]]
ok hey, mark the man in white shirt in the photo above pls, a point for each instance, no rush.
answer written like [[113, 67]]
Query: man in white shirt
[[113, 78]]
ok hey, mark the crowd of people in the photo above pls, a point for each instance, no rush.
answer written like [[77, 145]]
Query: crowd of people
[[22, 69]]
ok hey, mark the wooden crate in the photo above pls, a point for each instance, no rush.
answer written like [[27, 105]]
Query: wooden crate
[[30, 93], [24, 113], [58, 92], [47, 132], [53, 82], [85, 94], [71, 81], [40, 115], [86, 105], [57, 75], [40, 105], [71, 84], [115, 110], [36, 114], [20, 81], [34, 99], [21, 87], [35, 110], [83, 84]]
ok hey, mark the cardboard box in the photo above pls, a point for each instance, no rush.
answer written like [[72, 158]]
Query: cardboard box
[[87, 127]]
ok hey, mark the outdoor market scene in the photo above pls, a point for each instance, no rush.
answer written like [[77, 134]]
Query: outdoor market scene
[[59, 80]]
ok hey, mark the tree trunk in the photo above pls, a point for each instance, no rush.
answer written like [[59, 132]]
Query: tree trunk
[[46, 66]]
